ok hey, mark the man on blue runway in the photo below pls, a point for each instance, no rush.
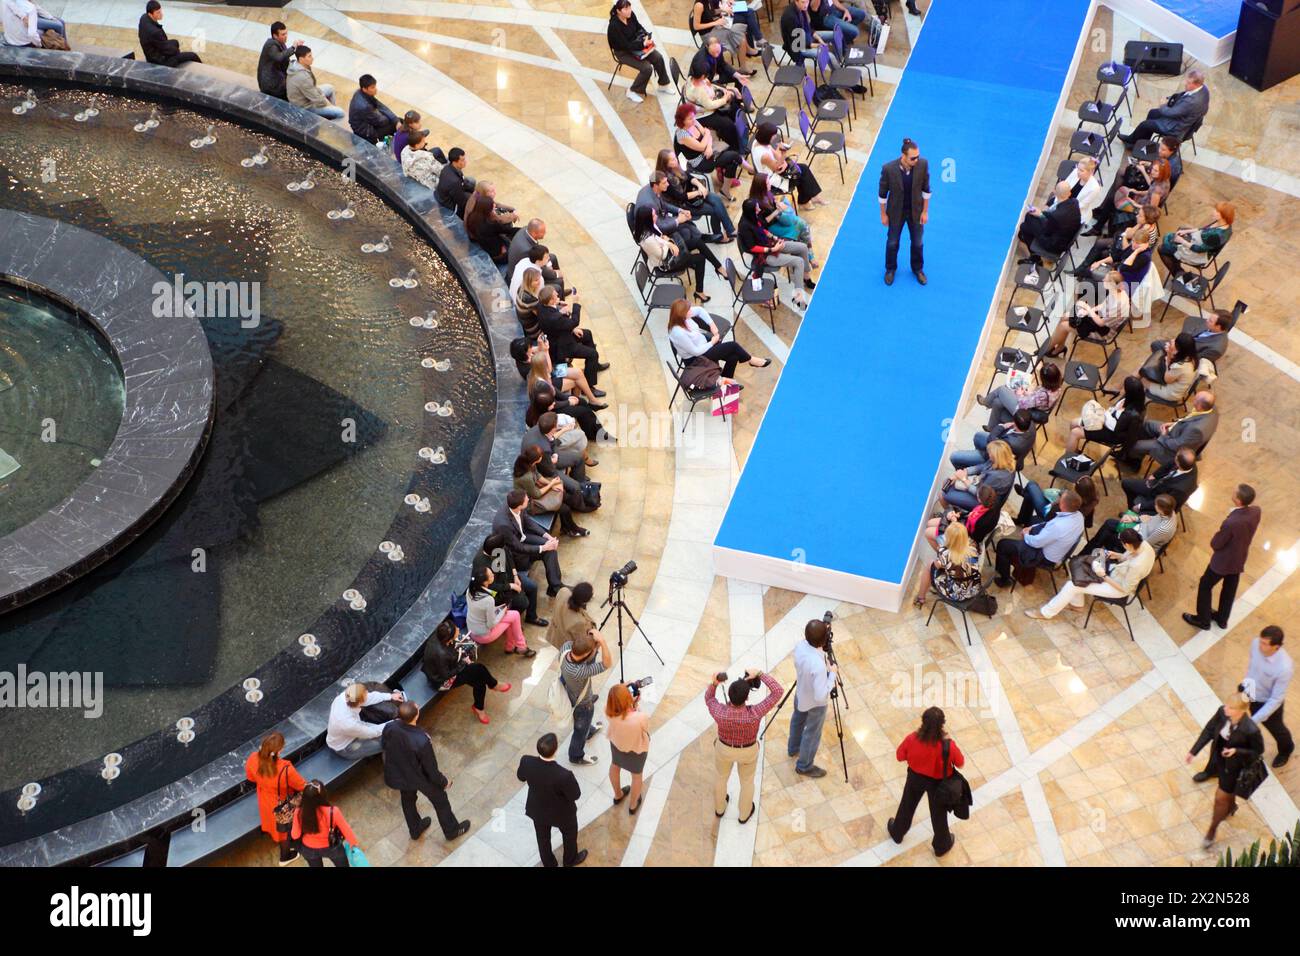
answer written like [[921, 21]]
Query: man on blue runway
[[905, 199]]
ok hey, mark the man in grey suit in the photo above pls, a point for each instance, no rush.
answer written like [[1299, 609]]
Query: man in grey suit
[[905, 200], [524, 240], [1211, 333], [544, 435], [673, 220], [1192, 430], [1180, 114]]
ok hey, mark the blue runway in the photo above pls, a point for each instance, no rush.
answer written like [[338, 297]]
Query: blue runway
[[1218, 18], [841, 470]]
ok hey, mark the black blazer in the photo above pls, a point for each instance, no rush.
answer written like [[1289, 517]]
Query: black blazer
[[1245, 737], [559, 327], [1060, 224], [891, 189], [452, 192], [153, 40], [409, 763], [523, 548], [1179, 487], [552, 791], [1231, 543]]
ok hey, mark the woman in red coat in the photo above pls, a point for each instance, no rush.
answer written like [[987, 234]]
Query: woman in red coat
[[923, 752], [276, 779]]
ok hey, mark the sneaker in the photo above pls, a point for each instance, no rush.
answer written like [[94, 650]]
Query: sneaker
[[425, 823], [461, 829], [287, 857], [588, 760], [635, 97], [814, 771]]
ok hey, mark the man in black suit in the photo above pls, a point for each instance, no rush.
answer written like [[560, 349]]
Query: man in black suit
[[453, 189], [527, 540], [154, 42], [1177, 479], [1229, 548], [513, 590], [567, 339], [673, 220], [410, 767], [1180, 114], [552, 801], [905, 200], [1054, 228]]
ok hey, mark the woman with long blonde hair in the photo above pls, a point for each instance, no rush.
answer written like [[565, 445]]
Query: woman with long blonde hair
[[954, 573], [573, 379]]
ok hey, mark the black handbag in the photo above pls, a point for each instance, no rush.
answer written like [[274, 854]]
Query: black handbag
[[1251, 777], [288, 802], [953, 792]]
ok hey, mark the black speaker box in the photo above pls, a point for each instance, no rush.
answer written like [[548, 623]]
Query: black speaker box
[[1275, 7], [1267, 48], [1146, 57]]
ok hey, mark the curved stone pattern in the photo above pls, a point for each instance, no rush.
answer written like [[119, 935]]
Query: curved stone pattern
[[171, 806], [168, 408]]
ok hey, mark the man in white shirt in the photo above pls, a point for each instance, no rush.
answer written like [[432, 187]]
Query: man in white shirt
[[24, 21], [1267, 678], [814, 677], [347, 733]]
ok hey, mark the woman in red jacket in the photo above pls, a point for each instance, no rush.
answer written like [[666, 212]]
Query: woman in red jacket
[[276, 780], [923, 752], [313, 823]]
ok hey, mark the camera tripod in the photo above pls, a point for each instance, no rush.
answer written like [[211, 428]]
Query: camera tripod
[[835, 707], [616, 603]]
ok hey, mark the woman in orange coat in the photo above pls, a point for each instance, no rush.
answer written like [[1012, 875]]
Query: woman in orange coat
[[276, 779]]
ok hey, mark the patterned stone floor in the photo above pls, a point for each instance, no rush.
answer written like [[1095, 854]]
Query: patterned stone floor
[[1074, 739]]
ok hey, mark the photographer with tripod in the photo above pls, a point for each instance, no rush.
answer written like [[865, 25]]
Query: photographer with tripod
[[737, 743], [815, 676]]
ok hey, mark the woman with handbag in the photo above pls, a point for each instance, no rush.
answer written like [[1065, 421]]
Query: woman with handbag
[[955, 571], [998, 472], [772, 253], [771, 157], [1093, 321], [1116, 427], [694, 195], [486, 620], [1109, 577], [665, 257], [922, 750], [451, 661], [1236, 758], [1196, 247], [779, 216], [703, 154], [547, 495], [694, 337], [321, 828], [279, 790]]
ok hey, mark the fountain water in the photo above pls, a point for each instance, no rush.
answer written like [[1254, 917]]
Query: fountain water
[[347, 212], [380, 246], [207, 139], [303, 185], [88, 113], [257, 159], [410, 282], [28, 103], [148, 124]]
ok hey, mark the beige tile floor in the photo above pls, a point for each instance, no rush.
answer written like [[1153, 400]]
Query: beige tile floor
[[1122, 798]]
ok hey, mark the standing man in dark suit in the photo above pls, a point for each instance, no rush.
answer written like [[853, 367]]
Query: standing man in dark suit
[[1180, 114], [1230, 547], [410, 767], [905, 200], [1054, 227], [552, 801], [155, 43]]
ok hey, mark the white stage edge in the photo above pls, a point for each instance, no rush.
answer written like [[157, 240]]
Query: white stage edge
[[1168, 26]]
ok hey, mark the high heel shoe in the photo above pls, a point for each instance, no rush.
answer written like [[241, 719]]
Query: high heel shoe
[[701, 298]]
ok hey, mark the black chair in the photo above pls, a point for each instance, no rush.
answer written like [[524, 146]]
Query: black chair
[[1033, 278], [1089, 143], [1097, 113], [657, 291], [694, 395], [841, 78], [1104, 342], [1032, 322], [823, 144], [1147, 150], [1120, 602], [1051, 569], [1197, 290], [857, 57], [963, 606], [690, 28], [1088, 377], [679, 82], [831, 110], [1191, 134], [1007, 360], [789, 76], [1179, 405], [1040, 417], [743, 292], [776, 115], [1116, 74], [1058, 259], [1070, 474], [617, 66]]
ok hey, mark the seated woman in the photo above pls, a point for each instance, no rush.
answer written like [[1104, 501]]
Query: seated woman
[[1128, 201], [778, 215], [527, 302], [979, 521], [955, 570], [694, 195], [695, 338], [573, 379], [542, 399], [718, 108], [704, 153], [1093, 321], [418, 161], [451, 661], [547, 495], [1004, 402], [1038, 505], [1170, 372], [1124, 573], [772, 157], [772, 253], [1196, 247], [491, 227], [719, 18], [1130, 252], [486, 621], [998, 472], [1122, 425], [666, 257]]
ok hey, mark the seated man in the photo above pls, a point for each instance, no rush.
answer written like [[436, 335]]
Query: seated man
[[514, 590], [454, 189], [273, 62], [631, 45], [532, 235], [301, 88], [153, 39], [349, 734], [1193, 430], [537, 256], [709, 62], [673, 222], [1043, 544], [369, 118], [1054, 228], [1177, 480], [1156, 529], [1180, 114], [1019, 434], [559, 322], [1209, 333], [527, 540], [545, 434], [1122, 575], [24, 22]]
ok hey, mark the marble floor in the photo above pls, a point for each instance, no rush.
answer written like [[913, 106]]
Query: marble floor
[[1075, 739]]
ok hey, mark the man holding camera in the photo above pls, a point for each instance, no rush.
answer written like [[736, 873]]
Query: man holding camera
[[737, 744], [814, 678], [579, 664]]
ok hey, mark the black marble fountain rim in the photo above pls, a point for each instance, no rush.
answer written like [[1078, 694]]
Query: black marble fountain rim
[[169, 807], [167, 409]]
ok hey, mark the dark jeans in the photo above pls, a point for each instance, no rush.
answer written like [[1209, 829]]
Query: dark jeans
[[441, 806], [1285, 744], [1205, 597], [551, 561], [586, 348], [1141, 496], [1034, 506], [1107, 537], [478, 677], [914, 233], [919, 785], [583, 715], [1014, 551], [525, 600], [654, 63], [568, 830], [316, 858]]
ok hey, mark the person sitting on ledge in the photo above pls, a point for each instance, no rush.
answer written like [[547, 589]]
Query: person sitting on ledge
[[451, 660], [301, 88], [153, 39], [349, 734], [369, 118], [408, 124], [488, 224], [24, 22], [419, 162], [273, 61], [486, 620], [454, 187]]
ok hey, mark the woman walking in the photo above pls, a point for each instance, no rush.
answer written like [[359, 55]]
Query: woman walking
[[923, 752], [277, 783]]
